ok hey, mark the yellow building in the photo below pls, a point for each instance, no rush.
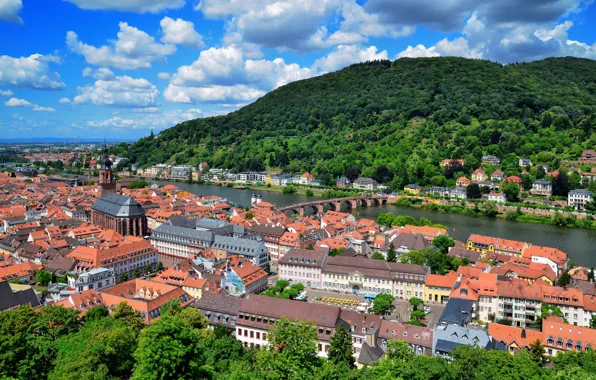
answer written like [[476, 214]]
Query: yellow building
[[486, 244], [194, 287], [268, 179], [358, 275], [438, 288]]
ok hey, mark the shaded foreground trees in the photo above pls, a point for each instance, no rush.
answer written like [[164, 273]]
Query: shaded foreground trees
[[53, 343]]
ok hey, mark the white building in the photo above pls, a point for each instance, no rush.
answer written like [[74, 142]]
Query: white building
[[302, 266], [497, 197], [578, 198], [97, 279], [258, 314], [364, 183]]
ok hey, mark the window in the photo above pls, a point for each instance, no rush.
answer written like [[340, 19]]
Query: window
[[560, 342]]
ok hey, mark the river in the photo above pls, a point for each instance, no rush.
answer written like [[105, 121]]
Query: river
[[578, 243]]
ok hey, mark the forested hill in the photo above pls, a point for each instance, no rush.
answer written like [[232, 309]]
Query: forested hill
[[406, 115]]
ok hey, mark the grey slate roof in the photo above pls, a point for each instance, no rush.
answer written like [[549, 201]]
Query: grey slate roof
[[457, 312], [370, 354], [118, 205], [10, 299], [240, 246], [168, 232], [411, 241], [446, 338]]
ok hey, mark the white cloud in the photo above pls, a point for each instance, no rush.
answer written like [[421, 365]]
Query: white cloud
[[226, 94], [32, 72], [418, 51], [281, 24], [459, 47], [163, 76], [102, 73], [123, 91], [180, 32], [345, 55], [14, 102], [146, 110], [10, 9], [558, 33], [134, 49], [157, 120], [6, 93], [223, 75], [137, 6], [64, 101], [215, 65]]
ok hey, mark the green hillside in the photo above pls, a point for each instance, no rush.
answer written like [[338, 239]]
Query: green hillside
[[405, 115]]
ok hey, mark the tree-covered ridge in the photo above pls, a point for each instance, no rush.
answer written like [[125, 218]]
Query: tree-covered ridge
[[407, 115]]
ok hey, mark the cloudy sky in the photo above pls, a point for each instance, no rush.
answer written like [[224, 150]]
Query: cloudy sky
[[119, 68]]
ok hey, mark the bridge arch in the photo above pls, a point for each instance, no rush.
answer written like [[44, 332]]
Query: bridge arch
[[350, 203]]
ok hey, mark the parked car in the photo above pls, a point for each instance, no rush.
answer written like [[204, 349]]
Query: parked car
[[427, 309]]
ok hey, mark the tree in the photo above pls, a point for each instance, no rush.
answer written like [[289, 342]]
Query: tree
[[167, 349], [101, 350], [490, 209], [129, 316], [309, 193], [564, 279], [98, 312], [43, 278], [473, 191], [377, 256], [538, 353], [159, 266], [292, 350], [351, 174], [124, 277], [443, 243], [340, 348], [511, 192], [382, 303], [398, 349], [391, 254], [136, 273], [172, 307], [249, 215], [289, 189], [148, 268], [593, 322], [415, 302]]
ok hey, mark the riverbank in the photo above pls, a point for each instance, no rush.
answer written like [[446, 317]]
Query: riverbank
[[489, 210]]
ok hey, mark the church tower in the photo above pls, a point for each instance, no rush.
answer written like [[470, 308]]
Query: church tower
[[106, 177]]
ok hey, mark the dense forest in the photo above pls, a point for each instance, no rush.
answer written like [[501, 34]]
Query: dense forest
[[395, 121], [53, 343]]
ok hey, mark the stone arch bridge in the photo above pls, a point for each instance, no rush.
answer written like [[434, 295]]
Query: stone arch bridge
[[335, 204]]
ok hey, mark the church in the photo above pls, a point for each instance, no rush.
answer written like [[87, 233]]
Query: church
[[115, 211]]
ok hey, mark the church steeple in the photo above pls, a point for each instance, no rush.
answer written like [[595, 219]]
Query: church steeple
[[106, 177]]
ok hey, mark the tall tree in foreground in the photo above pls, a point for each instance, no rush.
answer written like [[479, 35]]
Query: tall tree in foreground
[[292, 352], [102, 349], [168, 349], [391, 254], [537, 351], [340, 349], [129, 316]]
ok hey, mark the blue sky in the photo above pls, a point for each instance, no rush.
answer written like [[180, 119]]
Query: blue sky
[[119, 68]]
